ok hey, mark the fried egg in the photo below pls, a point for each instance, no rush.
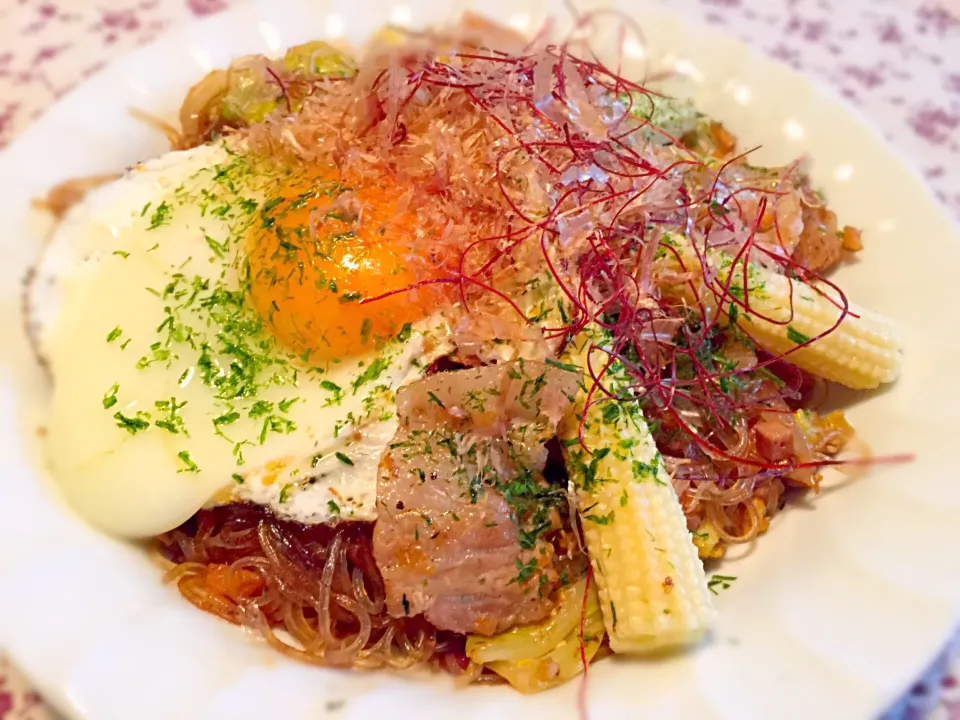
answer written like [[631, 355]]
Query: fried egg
[[202, 321]]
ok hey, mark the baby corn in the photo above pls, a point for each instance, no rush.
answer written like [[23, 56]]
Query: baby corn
[[863, 351], [653, 591]]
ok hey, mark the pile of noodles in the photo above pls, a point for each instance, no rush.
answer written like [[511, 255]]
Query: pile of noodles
[[313, 592], [533, 152]]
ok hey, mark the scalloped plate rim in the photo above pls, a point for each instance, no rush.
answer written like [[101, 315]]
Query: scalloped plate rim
[[49, 120]]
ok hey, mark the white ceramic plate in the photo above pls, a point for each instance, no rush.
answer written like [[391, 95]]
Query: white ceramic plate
[[834, 613]]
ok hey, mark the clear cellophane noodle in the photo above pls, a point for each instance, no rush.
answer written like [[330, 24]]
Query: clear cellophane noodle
[[314, 593], [738, 501]]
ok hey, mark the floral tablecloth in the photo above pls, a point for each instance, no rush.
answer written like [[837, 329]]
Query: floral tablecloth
[[898, 61]]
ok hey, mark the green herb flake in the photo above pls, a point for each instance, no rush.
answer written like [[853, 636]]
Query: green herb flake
[[345, 459], [795, 336], [333, 507], [171, 421], [160, 216], [719, 581], [285, 493], [133, 425], [524, 571], [114, 334], [270, 205], [563, 365], [373, 371], [435, 400], [336, 390], [765, 372], [260, 408], [189, 464], [226, 419], [733, 312], [237, 478], [277, 424], [285, 405], [158, 353], [611, 411], [642, 470], [218, 249], [110, 397], [601, 519], [238, 451]]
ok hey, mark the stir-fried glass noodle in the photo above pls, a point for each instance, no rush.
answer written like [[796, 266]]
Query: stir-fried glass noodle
[[320, 584], [570, 341]]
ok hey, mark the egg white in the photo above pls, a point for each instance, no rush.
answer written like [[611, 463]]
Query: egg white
[[139, 258]]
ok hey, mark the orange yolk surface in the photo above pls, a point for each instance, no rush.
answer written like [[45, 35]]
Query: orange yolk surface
[[321, 248]]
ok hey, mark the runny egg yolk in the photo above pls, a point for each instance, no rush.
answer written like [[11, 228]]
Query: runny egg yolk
[[319, 250]]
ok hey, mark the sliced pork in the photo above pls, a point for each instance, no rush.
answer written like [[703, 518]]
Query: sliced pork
[[456, 491]]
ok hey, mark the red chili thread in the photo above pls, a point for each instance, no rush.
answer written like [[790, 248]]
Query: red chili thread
[[499, 87]]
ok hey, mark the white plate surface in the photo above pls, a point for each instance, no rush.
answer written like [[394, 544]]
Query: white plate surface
[[835, 611]]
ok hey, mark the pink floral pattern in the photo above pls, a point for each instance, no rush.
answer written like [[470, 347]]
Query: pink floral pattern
[[17, 700], [897, 61]]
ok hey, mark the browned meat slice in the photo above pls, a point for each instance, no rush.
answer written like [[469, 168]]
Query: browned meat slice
[[461, 499], [820, 247], [774, 438]]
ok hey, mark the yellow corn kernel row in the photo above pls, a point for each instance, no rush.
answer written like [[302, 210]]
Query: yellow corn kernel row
[[653, 591], [862, 352]]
